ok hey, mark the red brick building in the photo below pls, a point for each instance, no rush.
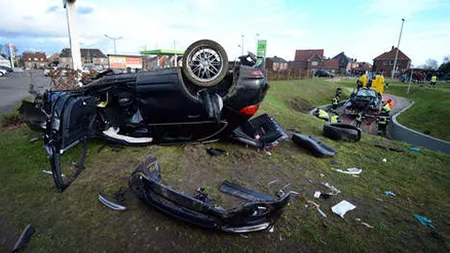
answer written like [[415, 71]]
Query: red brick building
[[307, 61], [276, 63], [331, 65], [36, 60], [385, 62]]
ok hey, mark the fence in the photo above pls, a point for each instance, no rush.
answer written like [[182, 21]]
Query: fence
[[288, 74]]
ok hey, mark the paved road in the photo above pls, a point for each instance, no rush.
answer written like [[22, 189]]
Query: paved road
[[14, 87]]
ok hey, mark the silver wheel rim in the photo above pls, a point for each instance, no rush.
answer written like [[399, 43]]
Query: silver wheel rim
[[204, 64]]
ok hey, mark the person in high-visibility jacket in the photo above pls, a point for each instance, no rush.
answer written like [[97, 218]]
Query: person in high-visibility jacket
[[433, 80], [363, 80], [385, 107], [378, 83], [335, 103], [335, 119], [382, 122], [390, 103], [322, 114], [359, 118]]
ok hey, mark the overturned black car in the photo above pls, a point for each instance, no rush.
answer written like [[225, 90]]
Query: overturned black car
[[207, 99], [364, 100]]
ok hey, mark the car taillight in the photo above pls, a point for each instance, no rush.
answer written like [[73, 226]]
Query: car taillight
[[256, 73], [249, 110]]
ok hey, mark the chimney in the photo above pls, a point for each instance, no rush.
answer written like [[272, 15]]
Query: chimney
[[392, 48]]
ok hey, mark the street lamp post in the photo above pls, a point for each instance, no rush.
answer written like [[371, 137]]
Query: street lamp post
[[398, 46], [114, 40], [73, 38], [242, 45], [257, 37]]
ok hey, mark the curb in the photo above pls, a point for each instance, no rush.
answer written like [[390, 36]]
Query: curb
[[401, 133]]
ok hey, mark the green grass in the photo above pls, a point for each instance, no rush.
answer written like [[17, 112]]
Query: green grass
[[431, 111], [75, 221]]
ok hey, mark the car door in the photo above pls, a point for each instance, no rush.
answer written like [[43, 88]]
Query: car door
[[70, 116]]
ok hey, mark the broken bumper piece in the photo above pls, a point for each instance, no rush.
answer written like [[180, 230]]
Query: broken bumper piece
[[262, 132], [256, 214]]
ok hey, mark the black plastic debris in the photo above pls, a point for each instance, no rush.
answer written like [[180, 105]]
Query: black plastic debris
[[112, 203], [24, 238], [262, 132], [251, 216], [316, 146], [216, 151]]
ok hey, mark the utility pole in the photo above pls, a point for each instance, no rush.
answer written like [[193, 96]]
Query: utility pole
[[257, 37], [71, 24], [11, 55], [114, 39], [175, 62], [242, 45], [398, 48]]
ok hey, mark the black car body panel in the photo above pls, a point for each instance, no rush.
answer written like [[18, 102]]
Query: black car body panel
[[254, 215]]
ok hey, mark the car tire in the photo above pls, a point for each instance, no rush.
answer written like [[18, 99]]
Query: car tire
[[342, 132], [199, 68]]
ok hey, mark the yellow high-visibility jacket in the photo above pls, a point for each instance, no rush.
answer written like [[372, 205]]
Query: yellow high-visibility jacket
[[433, 79], [363, 80]]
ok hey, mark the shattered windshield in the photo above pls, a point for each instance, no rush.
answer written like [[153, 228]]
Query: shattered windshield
[[366, 93]]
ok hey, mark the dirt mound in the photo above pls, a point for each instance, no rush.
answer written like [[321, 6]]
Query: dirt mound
[[300, 105]]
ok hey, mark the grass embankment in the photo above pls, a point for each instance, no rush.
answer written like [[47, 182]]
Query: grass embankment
[[431, 112], [75, 221]]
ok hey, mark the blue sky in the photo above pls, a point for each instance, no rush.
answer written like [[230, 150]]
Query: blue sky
[[362, 29]]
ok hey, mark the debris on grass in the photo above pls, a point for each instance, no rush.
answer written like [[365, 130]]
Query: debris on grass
[[317, 194], [342, 207], [271, 229], [335, 162], [389, 148], [49, 172], [317, 206], [366, 224], [384, 160], [424, 221], [33, 140], [415, 149], [216, 152], [389, 194], [349, 171], [334, 190], [24, 238], [322, 175]]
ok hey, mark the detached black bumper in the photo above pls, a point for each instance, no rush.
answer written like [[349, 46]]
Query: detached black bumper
[[258, 213]]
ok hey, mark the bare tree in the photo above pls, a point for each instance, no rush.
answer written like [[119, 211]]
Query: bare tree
[[431, 64]]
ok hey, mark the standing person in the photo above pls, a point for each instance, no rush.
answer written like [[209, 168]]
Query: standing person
[[433, 80], [390, 103], [385, 107], [335, 103], [363, 80], [419, 77], [382, 122], [339, 91], [359, 118]]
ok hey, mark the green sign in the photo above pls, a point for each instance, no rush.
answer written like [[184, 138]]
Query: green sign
[[261, 48]]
